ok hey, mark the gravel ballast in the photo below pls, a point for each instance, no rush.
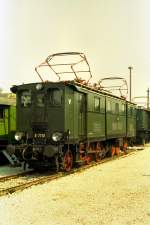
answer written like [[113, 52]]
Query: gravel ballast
[[113, 193]]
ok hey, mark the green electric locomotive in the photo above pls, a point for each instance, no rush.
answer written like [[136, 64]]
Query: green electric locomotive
[[65, 122]]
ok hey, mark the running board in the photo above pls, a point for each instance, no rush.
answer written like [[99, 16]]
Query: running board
[[11, 158]]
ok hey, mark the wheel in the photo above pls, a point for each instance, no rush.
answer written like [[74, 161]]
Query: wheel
[[113, 150], [67, 161], [108, 151], [98, 156], [88, 159], [117, 151], [125, 145]]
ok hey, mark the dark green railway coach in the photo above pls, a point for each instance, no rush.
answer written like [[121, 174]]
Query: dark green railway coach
[[7, 124], [61, 123], [143, 125]]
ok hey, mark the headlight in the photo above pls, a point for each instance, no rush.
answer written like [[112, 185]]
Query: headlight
[[57, 136], [39, 87], [18, 136]]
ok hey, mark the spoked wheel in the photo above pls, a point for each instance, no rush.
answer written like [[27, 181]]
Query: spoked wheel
[[108, 150], [125, 145], [98, 156], [113, 150], [88, 159], [67, 161]]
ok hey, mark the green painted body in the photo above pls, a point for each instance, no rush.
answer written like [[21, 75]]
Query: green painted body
[[81, 117], [115, 117], [142, 119], [88, 115], [96, 116], [53, 118], [7, 123], [76, 113], [142, 124], [131, 119]]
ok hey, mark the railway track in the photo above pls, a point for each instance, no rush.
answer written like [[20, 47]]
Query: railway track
[[18, 182], [13, 176]]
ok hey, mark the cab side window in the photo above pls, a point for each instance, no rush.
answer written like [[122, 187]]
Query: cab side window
[[25, 98], [55, 96]]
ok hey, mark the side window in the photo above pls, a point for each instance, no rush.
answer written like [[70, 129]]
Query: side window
[[117, 108], [97, 104], [1, 113], [113, 107], [40, 100], [81, 103], [109, 106], [25, 98], [122, 107], [55, 96], [131, 111]]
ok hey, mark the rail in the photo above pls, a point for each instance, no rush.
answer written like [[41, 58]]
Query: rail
[[27, 182]]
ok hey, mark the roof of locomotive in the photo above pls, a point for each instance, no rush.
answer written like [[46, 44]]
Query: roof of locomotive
[[143, 108], [79, 86]]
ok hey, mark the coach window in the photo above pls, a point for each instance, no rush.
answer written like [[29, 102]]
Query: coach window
[[97, 104], [113, 107], [134, 112], [109, 106], [1, 113], [122, 109], [40, 100], [116, 107], [25, 98], [55, 96]]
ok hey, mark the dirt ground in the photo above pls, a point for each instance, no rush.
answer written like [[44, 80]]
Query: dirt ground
[[113, 193]]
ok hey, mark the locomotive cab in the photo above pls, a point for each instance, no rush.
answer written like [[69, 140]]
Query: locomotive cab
[[40, 123]]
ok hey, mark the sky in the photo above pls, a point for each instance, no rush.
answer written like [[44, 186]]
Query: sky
[[113, 34]]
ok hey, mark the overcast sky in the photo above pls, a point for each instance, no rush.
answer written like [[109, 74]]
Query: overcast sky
[[113, 34]]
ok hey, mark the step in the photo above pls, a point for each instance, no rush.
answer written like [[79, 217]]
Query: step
[[11, 158]]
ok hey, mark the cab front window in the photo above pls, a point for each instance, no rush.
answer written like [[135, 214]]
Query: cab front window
[[25, 99]]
